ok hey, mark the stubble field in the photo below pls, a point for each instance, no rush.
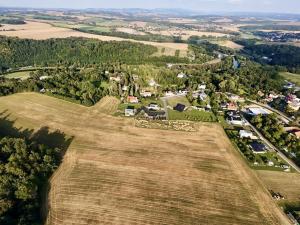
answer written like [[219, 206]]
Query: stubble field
[[116, 173]]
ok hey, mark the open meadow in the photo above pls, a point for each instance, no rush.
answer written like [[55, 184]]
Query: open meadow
[[40, 31], [117, 173]]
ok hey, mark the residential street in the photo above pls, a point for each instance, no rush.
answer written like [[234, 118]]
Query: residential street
[[273, 148], [281, 115]]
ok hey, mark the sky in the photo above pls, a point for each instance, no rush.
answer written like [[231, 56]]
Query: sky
[[281, 6]]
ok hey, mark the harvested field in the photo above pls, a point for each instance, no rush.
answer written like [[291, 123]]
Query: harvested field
[[230, 44], [288, 184], [130, 31], [185, 34], [41, 31], [116, 173]]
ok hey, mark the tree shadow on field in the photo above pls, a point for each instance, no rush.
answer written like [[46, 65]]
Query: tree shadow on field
[[53, 139]]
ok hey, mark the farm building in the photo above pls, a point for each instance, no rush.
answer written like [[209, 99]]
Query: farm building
[[179, 107], [255, 111], [258, 148]]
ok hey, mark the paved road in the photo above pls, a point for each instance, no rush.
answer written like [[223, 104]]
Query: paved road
[[283, 117], [274, 149], [164, 100]]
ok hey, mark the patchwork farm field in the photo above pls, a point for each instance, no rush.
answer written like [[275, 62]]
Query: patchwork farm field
[[116, 173]]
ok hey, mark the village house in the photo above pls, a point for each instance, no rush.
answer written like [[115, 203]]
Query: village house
[[247, 134], [203, 96], [153, 106], [129, 111], [202, 87], [132, 99], [235, 120], [293, 102], [45, 77], [146, 94], [183, 92], [152, 83], [169, 65], [232, 106], [181, 75], [258, 148], [169, 94], [115, 78]]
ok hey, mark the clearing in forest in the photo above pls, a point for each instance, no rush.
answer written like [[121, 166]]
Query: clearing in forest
[[116, 173]]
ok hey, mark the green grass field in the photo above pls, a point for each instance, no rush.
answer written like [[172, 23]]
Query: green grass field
[[192, 115], [292, 77], [23, 75], [175, 100]]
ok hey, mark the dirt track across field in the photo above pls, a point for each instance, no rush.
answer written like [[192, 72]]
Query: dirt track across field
[[116, 173]]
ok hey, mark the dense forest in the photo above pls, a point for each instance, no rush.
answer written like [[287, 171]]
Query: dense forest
[[278, 55], [12, 21], [27, 160], [16, 52], [271, 27]]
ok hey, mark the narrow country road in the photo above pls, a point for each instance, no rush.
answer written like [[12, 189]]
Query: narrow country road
[[273, 148], [283, 117], [164, 100]]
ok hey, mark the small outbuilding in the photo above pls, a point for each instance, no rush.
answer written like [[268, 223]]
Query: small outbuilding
[[179, 107]]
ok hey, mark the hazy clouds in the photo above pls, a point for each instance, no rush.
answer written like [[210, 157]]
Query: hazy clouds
[[200, 5]]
